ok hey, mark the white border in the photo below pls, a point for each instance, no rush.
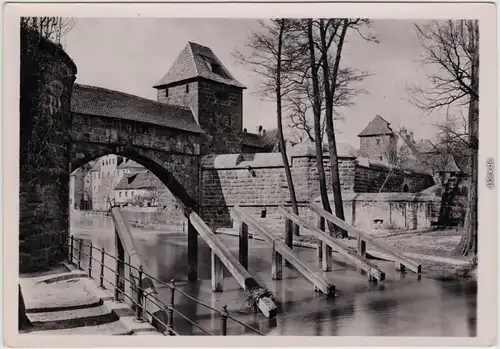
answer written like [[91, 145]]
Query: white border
[[487, 290]]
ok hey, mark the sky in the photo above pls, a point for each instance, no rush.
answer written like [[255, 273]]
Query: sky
[[131, 55]]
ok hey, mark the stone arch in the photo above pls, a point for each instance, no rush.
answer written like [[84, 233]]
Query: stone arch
[[178, 172]]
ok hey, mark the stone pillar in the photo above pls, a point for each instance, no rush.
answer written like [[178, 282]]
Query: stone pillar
[[47, 77]]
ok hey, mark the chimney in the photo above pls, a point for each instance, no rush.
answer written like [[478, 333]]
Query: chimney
[[403, 132]]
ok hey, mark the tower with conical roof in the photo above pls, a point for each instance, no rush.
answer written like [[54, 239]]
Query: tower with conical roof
[[199, 81], [378, 141]]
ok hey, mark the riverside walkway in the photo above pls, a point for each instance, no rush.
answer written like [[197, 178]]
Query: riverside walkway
[[64, 300]]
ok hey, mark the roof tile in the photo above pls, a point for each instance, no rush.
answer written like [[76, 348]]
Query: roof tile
[[378, 126], [194, 61], [99, 101]]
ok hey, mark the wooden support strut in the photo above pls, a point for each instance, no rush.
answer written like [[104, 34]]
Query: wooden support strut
[[242, 276], [399, 258], [243, 245], [311, 273], [361, 262], [123, 230], [192, 253]]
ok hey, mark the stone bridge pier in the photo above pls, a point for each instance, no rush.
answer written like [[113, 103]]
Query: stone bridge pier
[[47, 77]]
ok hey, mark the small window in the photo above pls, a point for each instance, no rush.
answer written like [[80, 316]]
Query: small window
[[132, 193], [166, 92], [187, 88], [120, 194], [229, 121], [378, 141], [126, 193]]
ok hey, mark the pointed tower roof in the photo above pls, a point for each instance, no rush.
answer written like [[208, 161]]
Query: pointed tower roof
[[451, 165], [197, 61], [377, 127]]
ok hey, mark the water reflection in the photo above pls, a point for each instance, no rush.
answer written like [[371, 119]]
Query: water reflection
[[402, 305]]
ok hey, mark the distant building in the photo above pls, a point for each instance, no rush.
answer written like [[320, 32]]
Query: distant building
[[199, 82], [138, 189], [77, 184], [378, 141]]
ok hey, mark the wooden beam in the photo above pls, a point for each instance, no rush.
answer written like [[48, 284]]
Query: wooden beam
[[192, 253], [312, 274], [288, 237], [217, 269], [123, 230], [242, 276], [319, 248], [276, 265], [361, 247], [398, 256], [243, 245], [361, 262]]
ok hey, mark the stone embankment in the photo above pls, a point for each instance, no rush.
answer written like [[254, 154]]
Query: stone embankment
[[65, 301]]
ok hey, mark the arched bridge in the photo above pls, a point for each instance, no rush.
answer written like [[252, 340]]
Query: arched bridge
[[163, 138]]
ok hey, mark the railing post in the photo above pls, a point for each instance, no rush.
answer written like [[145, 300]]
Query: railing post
[[101, 277], [243, 253], [71, 250], [90, 259], [170, 320], [117, 280], [79, 253], [276, 264], [319, 248], [192, 252], [138, 306], [223, 318]]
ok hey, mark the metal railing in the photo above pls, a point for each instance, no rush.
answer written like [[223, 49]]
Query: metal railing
[[141, 297]]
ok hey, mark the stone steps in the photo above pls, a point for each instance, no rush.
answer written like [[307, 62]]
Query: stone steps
[[114, 328]]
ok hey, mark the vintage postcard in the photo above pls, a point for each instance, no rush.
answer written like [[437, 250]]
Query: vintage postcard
[[316, 174]]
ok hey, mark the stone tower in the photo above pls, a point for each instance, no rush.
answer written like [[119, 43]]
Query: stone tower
[[199, 81], [378, 141]]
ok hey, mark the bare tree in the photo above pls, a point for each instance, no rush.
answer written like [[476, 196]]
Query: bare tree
[[397, 162], [272, 57], [48, 28], [452, 47]]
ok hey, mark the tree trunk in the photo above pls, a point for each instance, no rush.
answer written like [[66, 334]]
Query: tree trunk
[[317, 123], [279, 117], [468, 243], [330, 131]]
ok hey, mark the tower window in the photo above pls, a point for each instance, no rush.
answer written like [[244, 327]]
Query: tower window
[[378, 141], [229, 121], [166, 92], [187, 88]]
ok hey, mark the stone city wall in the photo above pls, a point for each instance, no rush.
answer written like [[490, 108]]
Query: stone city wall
[[47, 78]]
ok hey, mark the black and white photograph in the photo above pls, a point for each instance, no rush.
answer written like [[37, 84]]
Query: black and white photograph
[[273, 176]]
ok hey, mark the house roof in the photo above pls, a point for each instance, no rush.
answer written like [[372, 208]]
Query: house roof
[[378, 126], [197, 61], [344, 150], [451, 165], [426, 146], [96, 167], [257, 141], [139, 180], [130, 164], [99, 101]]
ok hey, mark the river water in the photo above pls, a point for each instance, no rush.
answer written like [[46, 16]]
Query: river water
[[401, 305]]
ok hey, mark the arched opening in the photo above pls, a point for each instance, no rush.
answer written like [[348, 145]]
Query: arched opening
[[158, 170], [406, 189], [151, 198]]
